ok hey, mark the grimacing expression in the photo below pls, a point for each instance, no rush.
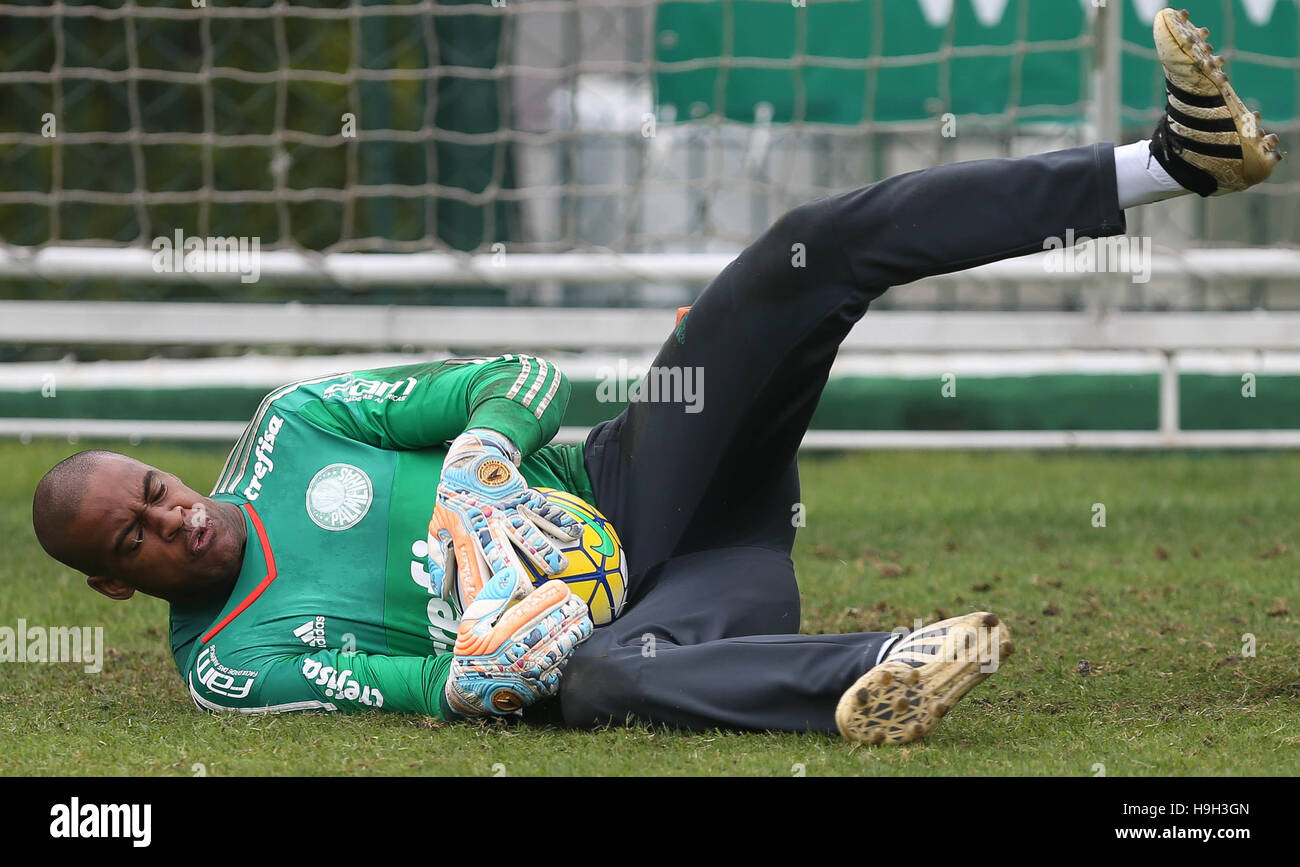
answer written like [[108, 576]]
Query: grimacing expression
[[144, 529]]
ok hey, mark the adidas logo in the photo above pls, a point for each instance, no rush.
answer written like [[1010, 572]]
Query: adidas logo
[[312, 632]]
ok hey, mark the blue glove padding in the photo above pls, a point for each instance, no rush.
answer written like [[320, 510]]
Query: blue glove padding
[[521, 662], [481, 487]]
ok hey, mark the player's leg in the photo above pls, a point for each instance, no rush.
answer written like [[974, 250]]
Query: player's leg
[[764, 333], [678, 657], [890, 233]]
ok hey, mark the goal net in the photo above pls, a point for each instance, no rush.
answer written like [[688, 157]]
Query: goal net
[[603, 153], [557, 127]]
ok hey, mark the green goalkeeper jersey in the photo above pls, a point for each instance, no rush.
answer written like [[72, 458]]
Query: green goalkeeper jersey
[[336, 478]]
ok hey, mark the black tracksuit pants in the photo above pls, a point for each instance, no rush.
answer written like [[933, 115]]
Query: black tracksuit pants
[[704, 500]]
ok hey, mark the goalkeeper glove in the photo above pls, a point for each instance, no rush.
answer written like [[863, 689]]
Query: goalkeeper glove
[[484, 508], [519, 660]]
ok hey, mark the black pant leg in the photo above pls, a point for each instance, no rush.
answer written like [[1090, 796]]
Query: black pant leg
[[710, 643], [765, 331]]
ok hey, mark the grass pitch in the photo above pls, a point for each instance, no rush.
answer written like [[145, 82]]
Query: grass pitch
[[1164, 643]]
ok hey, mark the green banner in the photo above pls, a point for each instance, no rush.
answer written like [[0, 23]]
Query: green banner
[[1057, 401], [855, 61]]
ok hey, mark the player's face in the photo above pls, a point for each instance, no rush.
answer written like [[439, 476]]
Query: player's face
[[145, 530]]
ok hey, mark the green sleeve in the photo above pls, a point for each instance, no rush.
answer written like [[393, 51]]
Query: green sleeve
[[328, 680], [423, 405]]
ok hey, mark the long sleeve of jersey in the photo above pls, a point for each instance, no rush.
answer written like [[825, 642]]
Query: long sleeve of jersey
[[328, 680], [422, 405]]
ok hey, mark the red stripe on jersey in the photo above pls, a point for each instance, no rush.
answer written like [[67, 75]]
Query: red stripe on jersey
[[257, 591]]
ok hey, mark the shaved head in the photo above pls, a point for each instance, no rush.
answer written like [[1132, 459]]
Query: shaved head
[[129, 526], [58, 501]]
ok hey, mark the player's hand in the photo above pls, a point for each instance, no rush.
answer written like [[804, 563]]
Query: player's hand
[[484, 506], [519, 660]]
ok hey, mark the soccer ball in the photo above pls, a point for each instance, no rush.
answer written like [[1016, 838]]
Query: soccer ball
[[597, 572]]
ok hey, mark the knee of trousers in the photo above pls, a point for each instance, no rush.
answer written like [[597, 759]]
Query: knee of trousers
[[801, 249]]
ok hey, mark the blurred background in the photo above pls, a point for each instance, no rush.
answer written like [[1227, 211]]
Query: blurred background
[[419, 179]]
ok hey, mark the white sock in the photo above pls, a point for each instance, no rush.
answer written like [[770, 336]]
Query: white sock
[[884, 648], [1140, 177]]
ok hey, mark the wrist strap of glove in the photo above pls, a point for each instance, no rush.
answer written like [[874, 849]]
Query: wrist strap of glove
[[494, 440]]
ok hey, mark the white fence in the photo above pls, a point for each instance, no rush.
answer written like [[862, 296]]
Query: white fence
[[294, 268], [479, 330]]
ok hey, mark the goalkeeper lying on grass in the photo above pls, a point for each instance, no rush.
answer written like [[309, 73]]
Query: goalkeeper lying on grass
[[305, 581]]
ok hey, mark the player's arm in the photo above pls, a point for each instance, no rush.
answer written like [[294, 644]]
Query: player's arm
[[328, 680], [533, 643], [417, 406], [494, 412]]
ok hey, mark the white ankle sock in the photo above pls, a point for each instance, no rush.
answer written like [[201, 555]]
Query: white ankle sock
[[1140, 178], [884, 648]]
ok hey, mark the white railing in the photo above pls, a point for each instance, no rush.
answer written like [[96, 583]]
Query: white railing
[[566, 328], [293, 268], [477, 329]]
